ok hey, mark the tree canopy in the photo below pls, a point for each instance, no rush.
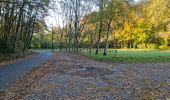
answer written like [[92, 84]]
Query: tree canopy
[[86, 24]]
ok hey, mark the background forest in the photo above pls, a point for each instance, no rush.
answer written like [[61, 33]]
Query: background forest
[[116, 24]]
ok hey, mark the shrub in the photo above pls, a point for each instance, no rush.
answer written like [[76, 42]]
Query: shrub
[[148, 46], [163, 47]]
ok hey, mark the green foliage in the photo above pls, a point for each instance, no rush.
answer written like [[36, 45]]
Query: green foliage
[[44, 41], [148, 46], [158, 11], [163, 47], [130, 28], [19, 19]]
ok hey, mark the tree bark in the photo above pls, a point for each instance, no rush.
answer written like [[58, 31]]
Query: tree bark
[[100, 27], [17, 27], [107, 37]]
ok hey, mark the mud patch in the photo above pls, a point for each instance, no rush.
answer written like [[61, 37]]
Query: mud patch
[[91, 71]]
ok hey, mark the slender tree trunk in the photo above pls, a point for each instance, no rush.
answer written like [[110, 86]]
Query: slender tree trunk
[[17, 27], [5, 26], [99, 38], [61, 37], [76, 33], [52, 33], [32, 32], [76, 25], [70, 29], [100, 27], [92, 39], [66, 37], [107, 37], [91, 43], [69, 38], [69, 42]]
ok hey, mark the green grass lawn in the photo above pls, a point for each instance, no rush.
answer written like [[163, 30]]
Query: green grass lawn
[[132, 56]]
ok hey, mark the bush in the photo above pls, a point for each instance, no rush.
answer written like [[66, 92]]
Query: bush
[[149, 46], [152, 46], [10, 56], [163, 47]]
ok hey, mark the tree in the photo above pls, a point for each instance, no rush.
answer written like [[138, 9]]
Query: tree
[[113, 11], [159, 12], [17, 23], [101, 6]]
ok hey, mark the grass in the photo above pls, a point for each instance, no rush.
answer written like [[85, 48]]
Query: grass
[[10, 57], [131, 56]]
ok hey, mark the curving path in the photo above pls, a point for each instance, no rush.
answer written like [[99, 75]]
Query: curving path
[[10, 73]]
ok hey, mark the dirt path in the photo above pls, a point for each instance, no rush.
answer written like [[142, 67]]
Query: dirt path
[[74, 77]]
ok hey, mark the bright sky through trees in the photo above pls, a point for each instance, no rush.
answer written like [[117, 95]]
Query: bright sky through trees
[[55, 19]]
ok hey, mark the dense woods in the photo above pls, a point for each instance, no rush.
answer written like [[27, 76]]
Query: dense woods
[[19, 19]]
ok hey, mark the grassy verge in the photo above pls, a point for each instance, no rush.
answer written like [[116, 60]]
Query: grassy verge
[[11, 57], [131, 56]]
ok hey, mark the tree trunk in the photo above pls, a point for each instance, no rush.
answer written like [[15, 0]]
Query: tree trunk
[[107, 37], [52, 40], [91, 43], [61, 36], [32, 32], [66, 38], [100, 27], [17, 27]]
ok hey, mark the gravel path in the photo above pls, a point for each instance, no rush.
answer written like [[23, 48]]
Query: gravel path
[[74, 77], [10, 73]]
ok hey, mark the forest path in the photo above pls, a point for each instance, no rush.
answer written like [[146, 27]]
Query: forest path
[[10, 73]]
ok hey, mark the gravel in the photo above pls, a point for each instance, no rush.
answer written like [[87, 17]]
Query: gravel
[[74, 77]]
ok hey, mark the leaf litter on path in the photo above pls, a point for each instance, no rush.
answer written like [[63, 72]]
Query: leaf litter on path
[[75, 77]]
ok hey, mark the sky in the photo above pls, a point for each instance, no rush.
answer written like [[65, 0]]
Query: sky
[[137, 0], [55, 20]]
